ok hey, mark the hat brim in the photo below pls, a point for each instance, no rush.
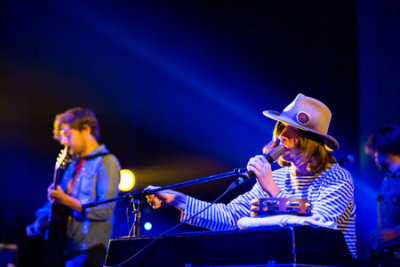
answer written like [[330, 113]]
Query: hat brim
[[330, 142]]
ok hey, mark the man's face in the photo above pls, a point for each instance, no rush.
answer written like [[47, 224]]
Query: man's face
[[289, 138], [381, 160], [72, 138]]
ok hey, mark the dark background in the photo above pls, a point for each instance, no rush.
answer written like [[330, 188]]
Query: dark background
[[179, 88]]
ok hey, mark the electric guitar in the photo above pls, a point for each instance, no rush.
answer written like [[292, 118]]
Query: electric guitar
[[57, 223]]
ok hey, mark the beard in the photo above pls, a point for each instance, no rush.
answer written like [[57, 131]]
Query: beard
[[384, 166]]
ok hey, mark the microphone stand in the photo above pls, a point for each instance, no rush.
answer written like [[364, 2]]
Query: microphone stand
[[137, 197]]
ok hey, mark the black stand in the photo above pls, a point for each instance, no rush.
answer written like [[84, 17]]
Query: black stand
[[137, 198], [136, 210]]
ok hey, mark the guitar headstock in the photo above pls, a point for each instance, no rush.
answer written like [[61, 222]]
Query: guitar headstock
[[62, 158]]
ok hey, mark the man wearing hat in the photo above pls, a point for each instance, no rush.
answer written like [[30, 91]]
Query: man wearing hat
[[309, 171]]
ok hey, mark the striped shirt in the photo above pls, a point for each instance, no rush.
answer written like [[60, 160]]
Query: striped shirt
[[331, 195]]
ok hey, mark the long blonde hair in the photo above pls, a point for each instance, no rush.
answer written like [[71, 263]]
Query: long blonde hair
[[310, 150]]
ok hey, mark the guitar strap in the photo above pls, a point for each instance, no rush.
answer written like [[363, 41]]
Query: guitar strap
[[93, 156]]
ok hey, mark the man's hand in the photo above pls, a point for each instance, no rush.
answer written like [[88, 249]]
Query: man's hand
[[262, 169], [385, 235], [37, 227], [166, 198], [57, 195], [60, 197], [34, 229]]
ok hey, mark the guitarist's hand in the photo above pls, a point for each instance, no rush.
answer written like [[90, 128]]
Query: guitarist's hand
[[58, 196], [33, 230], [37, 227]]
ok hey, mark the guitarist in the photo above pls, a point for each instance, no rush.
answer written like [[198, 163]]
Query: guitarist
[[93, 175]]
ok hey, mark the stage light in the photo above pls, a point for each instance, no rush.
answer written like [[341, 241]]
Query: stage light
[[127, 180], [148, 226]]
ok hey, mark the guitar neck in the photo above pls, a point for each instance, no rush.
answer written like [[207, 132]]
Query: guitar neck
[[60, 165], [56, 177]]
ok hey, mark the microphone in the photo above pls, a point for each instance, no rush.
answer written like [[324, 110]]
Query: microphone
[[271, 157], [275, 154]]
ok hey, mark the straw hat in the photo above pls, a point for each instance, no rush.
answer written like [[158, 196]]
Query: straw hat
[[308, 114]]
